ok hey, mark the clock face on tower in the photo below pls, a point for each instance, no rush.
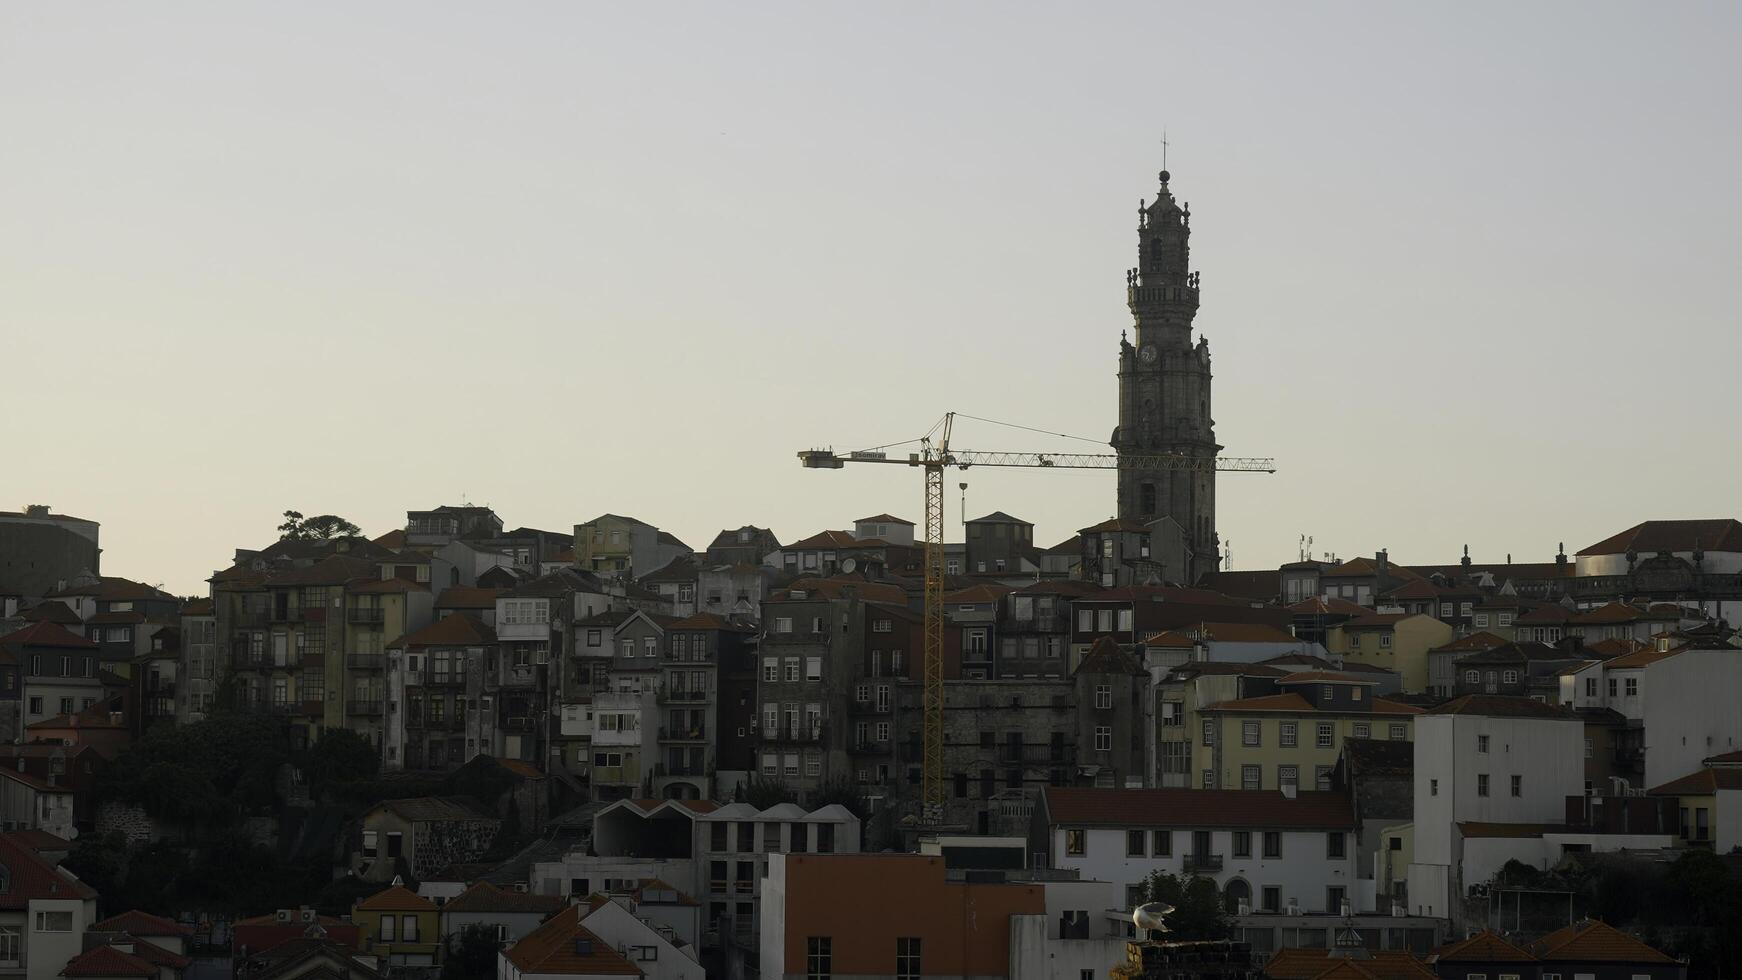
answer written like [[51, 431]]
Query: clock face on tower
[[1147, 354]]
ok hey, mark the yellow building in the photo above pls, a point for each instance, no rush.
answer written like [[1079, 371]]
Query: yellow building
[[1710, 801], [1293, 738], [1395, 641], [377, 611], [399, 926], [1181, 695]]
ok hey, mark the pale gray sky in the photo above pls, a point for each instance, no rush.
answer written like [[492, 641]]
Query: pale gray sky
[[1468, 268]]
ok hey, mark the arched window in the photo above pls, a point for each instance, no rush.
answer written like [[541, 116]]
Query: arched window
[[1236, 894], [1147, 497]]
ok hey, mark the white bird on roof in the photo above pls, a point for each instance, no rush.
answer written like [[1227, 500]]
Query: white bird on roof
[[1149, 917]]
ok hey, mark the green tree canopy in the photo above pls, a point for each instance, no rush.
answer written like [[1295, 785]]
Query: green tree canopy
[[1197, 909], [339, 756], [322, 527]]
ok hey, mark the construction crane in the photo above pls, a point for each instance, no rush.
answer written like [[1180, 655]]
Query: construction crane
[[936, 456]]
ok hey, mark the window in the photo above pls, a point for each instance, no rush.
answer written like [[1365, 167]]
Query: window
[[1517, 785], [1273, 843], [1612, 688], [1324, 736], [907, 958], [66, 706], [1287, 776], [1399, 732], [1134, 843], [1076, 841], [1249, 733], [792, 667], [1322, 777], [1482, 784], [1335, 845], [389, 928], [1590, 687], [1242, 843], [54, 921], [1632, 686], [1290, 734], [1209, 778], [1510, 677], [819, 957], [10, 946], [1334, 899], [1272, 898], [1481, 743], [1472, 677], [1250, 777], [36, 705], [1433, 787], [408, 930], [1481, 621], [1384, 641], [1209, 731], [1103, 696], [1161, 843], [1103, 738], [813, 668], [1589, 747], [1363, 729]]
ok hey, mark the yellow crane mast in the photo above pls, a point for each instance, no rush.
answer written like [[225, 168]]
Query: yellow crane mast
[[935, 457]]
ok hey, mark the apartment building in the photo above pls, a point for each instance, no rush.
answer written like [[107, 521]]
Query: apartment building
[[1292, 738], [438, 706], [1676, 697], [200, 661], [1393, 641], [1270, 851]]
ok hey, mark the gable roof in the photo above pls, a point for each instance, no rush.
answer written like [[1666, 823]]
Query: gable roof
[[555, 947], [51, 610], [1107, 657], [43, 633], [1485, 947], [453, 630], [999, 517], [485, 897], [33, 877], [1595, 941], [1090, 806], [107, 961], [1478, 641], [396, 899], [884, 519], [138, 922], [1651, 536], [1501, 706], [710, 621], [1294, 703], [1646, 657], [429, 808], [1703, 782], [1318, 964]]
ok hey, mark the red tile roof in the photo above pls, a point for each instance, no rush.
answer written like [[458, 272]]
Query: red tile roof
[[1085, 806], [1646, 657], [1480, 641], [137, 922], [710, 621], [150, 952], [1295, 704], [524, 769], [1485, 946], [485, 897], [53, 611], [1608, 612], [466, 597], [555, 948], [1595, 941], [1500, 706], [107, 961], [1311, 964], [33, 877], [46, 634], [1107, 657], [1321, 677], [197, 607], [1653, 536], [453, 630], [1116, 524], [396, 899], [1705, 782]]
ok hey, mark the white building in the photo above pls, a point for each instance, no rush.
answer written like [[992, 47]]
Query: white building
[[1488, 768], [1268, 850], [1683, 696]]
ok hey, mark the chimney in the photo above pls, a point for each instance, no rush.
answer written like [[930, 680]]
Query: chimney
[[1383, 561], [35, 510]]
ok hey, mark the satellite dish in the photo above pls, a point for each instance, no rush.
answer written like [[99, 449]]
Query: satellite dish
[[848, 564], [1149, 917]]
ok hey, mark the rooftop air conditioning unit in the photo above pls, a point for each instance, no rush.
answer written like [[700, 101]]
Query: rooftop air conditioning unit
[[308, 914], [520, 886], [285, 915]]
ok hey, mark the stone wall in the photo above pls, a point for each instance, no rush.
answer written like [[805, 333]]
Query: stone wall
[[128, 819], [444, 842]]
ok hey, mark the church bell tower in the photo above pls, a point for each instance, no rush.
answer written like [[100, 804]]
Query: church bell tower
[[1164, 385]]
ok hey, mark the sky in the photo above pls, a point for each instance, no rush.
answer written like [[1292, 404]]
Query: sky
[[1468, 269]]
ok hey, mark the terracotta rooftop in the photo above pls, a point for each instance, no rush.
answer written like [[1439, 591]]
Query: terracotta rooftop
[[1086, 806], [485, 897], [1485, 946], [34, 878], [137, 922], [467, 597], [396, 899], [46, 634], [1705, 782], [1500, 706], [1310, 964], [107, 961], [1646, 538], [1595, 941], [556, 947], [1478, 641], [1646, 657], [453, 630]]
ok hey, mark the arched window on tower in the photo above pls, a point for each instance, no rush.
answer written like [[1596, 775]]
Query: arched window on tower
[[1147, 499]]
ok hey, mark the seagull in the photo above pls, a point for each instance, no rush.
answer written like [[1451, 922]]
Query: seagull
[[1149, 917]]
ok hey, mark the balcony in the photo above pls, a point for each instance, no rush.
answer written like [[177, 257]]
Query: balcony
[[520, 675], [689, 733], [363, 709], [364, 616], [364, 661], [1629, 757], [793, 736], [683, 695], [870, 708], [1203, 862]]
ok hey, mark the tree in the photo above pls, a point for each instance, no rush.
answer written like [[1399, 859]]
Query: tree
[[762, 793], [340, 755], [1197, 909], [323, 527], [843, 791], [472, 955]]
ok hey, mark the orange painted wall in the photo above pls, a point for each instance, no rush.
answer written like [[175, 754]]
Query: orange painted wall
[[864, 902]]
